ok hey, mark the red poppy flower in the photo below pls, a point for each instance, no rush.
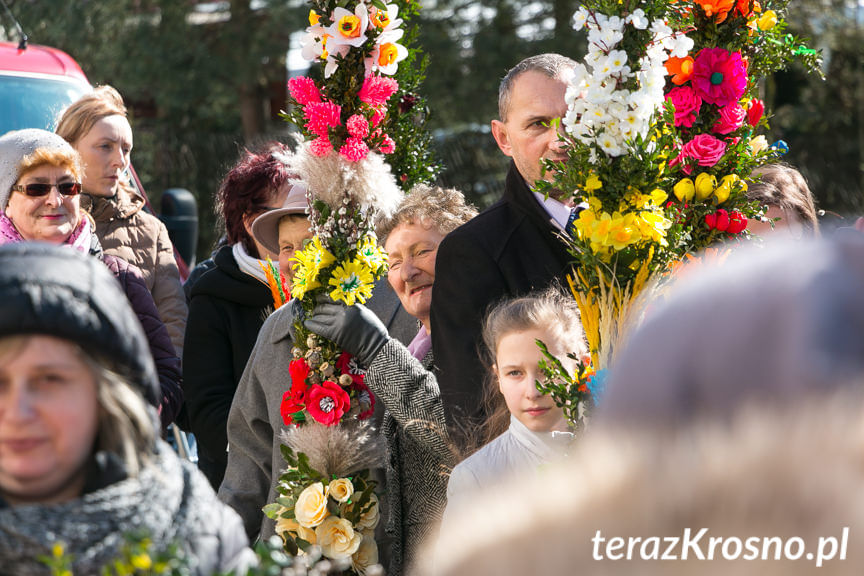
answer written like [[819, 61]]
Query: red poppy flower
[[327, 402], [365, 399], [289, 407]]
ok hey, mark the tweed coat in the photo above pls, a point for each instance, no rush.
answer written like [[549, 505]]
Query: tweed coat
[[419, 456], [508, 250]]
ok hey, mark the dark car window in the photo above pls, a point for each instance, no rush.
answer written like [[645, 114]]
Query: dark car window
[[34, 102]]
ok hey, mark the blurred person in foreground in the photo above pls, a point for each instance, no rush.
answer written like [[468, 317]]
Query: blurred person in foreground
[[81, 463], [40, 185], [735, 407], [97, 127], [420, 451]]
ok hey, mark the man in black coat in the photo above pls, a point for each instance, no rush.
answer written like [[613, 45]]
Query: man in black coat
[[509, 249]]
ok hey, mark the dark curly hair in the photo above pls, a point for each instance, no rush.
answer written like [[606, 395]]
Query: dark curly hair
[[248, 189]]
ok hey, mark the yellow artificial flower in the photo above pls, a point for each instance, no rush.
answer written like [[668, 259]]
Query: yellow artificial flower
[[307, 265], [349, 26], [622, 232], [593, 183], [314, 17], [684, 190], [311, 507], [341, 489], [768, 20], [141, 561], [370, 254], [352, 282], [658, 196], [380, 18], [705, 185], [337, 538], [727, 184]]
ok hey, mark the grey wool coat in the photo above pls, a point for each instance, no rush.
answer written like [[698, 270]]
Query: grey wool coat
[[254, 421], [419, 456]]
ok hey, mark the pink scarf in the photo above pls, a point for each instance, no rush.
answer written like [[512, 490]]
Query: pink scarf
[[79, 239]]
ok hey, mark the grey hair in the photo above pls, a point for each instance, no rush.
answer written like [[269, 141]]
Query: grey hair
[[443, 208], [550, 64]]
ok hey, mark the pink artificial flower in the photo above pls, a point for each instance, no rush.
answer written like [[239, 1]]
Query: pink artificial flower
[[321, 146], [705, 149], [320, 116], [687, 104], [378, 116], [376, 90], [303, 90], [387, 146], [358, 126], [327, 402], [731, 118], [755, 111], [354, 149], [719, 77]]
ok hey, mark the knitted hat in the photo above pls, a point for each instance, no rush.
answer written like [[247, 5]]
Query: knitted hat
[[265, 228], [55, 291], [14, 146]]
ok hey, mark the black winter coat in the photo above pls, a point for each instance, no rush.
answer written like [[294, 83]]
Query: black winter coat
[[508, 250], [226, 312]]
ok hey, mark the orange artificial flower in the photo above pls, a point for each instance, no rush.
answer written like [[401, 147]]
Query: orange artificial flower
[[718, 8], [349, 26], [380, 19], [680, 69], [387, 54], [744, 7]]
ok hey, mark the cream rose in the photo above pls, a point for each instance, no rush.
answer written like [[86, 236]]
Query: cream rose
[[295, 530], [370, 518], [311, 507], [366, 555], [337, 538], [758, 144], [341, 490]]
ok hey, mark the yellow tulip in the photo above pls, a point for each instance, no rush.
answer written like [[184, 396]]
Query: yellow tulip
[[727, 184], [705, 185], [684, 190], [768, 20]]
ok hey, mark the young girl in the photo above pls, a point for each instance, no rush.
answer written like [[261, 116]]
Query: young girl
[[526, 428]]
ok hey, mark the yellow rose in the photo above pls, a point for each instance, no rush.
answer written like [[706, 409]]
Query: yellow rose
[[366, 555], [705, 185], [311, 507], [341, 489], [337, 537], [684, 190], [768, 20], [758, 144]]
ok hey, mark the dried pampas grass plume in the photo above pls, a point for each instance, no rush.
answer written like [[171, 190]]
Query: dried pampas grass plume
[[337, 451], [331, 177]]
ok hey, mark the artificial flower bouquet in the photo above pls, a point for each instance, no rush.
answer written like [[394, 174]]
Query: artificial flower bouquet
[[365, 108], [660, 135], [335, 511]]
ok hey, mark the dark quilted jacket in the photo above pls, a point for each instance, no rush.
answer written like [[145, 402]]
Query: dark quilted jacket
[[167, 362]]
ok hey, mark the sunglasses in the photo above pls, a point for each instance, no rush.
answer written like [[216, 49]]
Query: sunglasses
[[38, 189]]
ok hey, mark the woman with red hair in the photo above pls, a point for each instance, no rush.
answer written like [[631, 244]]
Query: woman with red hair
[[230, 302]]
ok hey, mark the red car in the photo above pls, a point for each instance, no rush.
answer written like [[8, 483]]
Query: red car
[[36, 84]]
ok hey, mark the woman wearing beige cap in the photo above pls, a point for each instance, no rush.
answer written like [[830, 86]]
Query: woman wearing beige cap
[[283, 231]]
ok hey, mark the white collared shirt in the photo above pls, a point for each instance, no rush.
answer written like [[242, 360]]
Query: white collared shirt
[[557, 210]]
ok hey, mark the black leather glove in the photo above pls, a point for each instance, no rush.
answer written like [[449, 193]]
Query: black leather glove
[[356, 329]]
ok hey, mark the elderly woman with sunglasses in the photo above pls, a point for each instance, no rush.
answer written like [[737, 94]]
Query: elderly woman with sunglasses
[[40, 183]]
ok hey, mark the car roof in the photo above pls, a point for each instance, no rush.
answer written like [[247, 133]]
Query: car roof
[[37, 59]]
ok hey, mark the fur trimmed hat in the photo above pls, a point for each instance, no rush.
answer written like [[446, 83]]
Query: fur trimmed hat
[[17, 144], [55, 291]]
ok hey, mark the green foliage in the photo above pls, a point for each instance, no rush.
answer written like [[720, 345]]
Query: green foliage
[[570, 392]]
